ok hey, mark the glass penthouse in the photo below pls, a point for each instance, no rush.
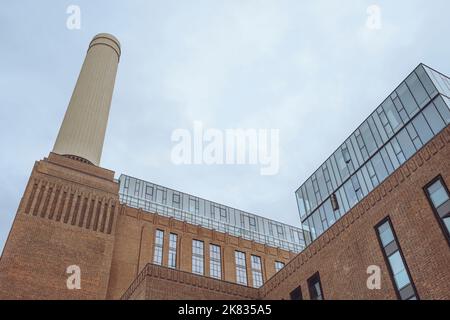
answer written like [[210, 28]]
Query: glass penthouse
[[185, 207], [411, 116]]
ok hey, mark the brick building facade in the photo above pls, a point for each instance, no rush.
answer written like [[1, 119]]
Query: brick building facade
[[71, 213]]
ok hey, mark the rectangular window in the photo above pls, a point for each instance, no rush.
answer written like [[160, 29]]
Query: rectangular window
[[148, 192], [438, 195], [296, 294], [315, 287], [257, 271], [176, 200], [159, 242], [241, 268], [215, 262], [278, 266], [173, 250], [197, 257], [193, 205], [403, 285]]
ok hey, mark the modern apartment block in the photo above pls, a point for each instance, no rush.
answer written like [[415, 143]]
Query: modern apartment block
[[413, 114], [375, 215]]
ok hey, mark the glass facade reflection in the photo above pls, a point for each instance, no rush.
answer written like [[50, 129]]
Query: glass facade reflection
[[411, 116], [185, 207]]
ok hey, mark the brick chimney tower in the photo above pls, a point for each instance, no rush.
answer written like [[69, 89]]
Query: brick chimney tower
[[67, 216], [82, 132]]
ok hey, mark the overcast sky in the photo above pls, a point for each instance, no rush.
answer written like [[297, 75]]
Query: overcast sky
[[312, 69]]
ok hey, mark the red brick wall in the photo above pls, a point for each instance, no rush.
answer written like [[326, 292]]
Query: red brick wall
[[51, 232], [66, 217], [134, 246], [343, 253]]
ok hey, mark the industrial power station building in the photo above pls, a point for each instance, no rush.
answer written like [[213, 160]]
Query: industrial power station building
[[374, 216]]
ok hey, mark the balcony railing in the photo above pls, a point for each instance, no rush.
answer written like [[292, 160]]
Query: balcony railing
[[182, 215]]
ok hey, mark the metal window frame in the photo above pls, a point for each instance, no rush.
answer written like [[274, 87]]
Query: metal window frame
[[444, 230], [296, 294], [357, 131], [313, 279], [386, 258], [155, 245], [214, 260]]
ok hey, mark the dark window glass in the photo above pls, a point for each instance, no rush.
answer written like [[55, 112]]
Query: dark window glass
[[296, 294], [315, 287]]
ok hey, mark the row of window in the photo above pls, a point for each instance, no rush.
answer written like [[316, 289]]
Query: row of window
[[439, 198], [215, 260], [165, 201], [397, 110], [422, 128]]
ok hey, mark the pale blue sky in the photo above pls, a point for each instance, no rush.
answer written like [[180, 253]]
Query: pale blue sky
[[309, 68]]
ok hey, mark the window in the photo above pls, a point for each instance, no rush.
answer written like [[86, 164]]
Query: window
[[173, 250], [257, 271], [407, 99], [278, 266], [193, 205], [280, 231], [223, 214], [161, 195], [252, 223], [417, 89], [215, 262], [159, 242], [296, 294], [176, 200], [148, 192], [403, 285], [197, 257], [315, 287], [439, 198], [241, 268]]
